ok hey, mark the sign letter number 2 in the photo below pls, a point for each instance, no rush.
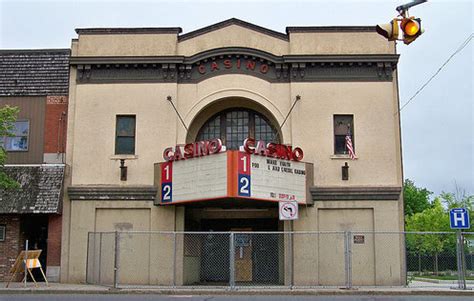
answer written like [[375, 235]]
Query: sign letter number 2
[[244, 185], [166, 190]]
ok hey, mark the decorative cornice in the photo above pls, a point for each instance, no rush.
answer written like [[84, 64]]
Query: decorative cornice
[[241, 51], [342, 58], [229, 22], [127, 30], [112, 193], [236, 60], [306, 29], [81, 60], [355, 193]]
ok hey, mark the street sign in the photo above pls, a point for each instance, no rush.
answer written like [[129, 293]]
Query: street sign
[[459, 218], [288, 211]]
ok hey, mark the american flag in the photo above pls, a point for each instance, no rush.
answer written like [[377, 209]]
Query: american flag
[[349, 147]]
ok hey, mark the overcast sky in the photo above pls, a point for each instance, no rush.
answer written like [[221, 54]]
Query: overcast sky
[[437, 125]]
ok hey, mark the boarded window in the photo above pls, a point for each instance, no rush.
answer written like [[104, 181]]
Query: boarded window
[[343, 126], [2, 232], [125, 135]]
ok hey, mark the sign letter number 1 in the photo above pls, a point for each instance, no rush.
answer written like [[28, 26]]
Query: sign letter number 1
[[244, 175], [244, 164]]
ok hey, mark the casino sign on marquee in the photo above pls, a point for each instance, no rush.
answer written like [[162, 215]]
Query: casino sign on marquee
[[203, 171]]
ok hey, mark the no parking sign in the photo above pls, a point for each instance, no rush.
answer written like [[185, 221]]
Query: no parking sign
[[288, 211]]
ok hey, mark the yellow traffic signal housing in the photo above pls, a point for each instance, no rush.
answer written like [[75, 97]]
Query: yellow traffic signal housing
[[389, 30], [411, 29]]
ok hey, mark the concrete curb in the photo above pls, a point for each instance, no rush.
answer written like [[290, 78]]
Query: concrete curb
[[309, 292]]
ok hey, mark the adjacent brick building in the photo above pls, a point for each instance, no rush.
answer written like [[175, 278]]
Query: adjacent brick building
[[35, 81]]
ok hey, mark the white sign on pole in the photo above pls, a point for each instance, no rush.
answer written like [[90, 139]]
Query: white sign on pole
[[288, 211]]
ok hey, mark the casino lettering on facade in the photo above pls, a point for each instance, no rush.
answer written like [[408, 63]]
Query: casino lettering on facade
[[192, 150], [274, 150], [214, 146], [233, 64]]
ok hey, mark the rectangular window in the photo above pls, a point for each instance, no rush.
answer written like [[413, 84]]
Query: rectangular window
[[2, 232], [19, 139], [343, 126], [125, 135]]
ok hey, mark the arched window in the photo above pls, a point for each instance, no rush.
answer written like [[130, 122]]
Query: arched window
[[233, 126]]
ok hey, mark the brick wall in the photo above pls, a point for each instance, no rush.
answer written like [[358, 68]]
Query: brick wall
[[10, 248], [55, 124], [54, 240]]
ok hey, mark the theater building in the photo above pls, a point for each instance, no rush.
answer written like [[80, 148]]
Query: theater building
[[208, 131]]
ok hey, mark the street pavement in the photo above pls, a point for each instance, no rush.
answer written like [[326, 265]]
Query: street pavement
[[130, 297], [70, 292]]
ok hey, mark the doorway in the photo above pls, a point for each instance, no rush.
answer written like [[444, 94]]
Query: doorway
[[34, 228], [257, 256]]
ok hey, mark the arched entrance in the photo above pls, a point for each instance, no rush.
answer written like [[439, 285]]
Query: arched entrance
[[257, 258]]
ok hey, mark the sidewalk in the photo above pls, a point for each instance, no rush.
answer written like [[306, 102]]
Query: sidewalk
[[64, 288]]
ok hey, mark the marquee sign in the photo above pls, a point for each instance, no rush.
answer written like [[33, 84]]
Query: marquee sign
[[270, 172]]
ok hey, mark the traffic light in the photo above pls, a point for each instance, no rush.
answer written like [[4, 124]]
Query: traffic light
[[388, 30], [411, 29]]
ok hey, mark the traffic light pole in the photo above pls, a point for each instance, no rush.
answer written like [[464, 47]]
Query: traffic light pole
[[404, 7]]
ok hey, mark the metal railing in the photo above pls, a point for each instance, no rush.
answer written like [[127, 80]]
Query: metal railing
[[281, 259]]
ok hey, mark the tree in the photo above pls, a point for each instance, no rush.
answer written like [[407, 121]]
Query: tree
[[7, 119], [433, 219], [460, 200], [416, 199]]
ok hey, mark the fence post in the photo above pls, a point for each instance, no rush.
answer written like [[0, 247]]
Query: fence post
[[232, 261], [89, 235], [116, 259], [292, 260], [460, 259], [100, 258], [348, 258], [25, 261], [174, 258]]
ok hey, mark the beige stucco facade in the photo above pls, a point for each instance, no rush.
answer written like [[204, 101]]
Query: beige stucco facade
[[372, 100]]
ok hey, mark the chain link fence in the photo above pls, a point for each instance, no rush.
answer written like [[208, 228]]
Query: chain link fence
[[281, 259]]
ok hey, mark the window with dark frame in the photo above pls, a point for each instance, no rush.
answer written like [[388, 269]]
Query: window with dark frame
[[3, 231], [18, 141], [125, 135], [343, 126], [234, 125]]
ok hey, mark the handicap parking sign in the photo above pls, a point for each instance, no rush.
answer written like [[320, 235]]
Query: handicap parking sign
[[459, 218]]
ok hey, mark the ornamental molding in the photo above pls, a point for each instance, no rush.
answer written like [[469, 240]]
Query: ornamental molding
[[112, 193], [235, 60], [355, 193]]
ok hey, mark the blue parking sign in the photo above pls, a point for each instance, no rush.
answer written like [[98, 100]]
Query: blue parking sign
[[459, 218]]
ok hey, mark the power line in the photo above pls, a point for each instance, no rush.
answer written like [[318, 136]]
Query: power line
[[461, 47]]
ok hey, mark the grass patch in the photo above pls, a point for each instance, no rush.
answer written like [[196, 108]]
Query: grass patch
[[443, 277]]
